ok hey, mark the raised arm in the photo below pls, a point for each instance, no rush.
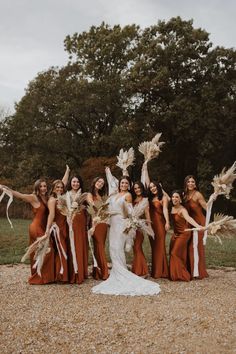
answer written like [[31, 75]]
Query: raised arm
[[144, 175], [112, 182], [66, 176], [51, 215], [166, 212], [29, 198]]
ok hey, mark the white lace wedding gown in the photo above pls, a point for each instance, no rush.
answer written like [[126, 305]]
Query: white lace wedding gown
[[121, 281]]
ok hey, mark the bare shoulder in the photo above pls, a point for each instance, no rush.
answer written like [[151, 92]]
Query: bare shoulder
[[198, 195], [182, 210], [33, 197], [51, 200], [165, 199], [128, 197]]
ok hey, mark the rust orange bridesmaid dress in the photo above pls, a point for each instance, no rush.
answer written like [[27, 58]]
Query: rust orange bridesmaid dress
[[195, 211], [178, 249], [37, 229], [159, 257], [61, 222], [139, 265], [81, 249], [99, 240]]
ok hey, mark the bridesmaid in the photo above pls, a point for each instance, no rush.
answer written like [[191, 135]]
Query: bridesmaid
[[80, 243], [160, 224], [139, 265], [61, 268], [98, 190], [38, 200], [179, 240], [194, 202]]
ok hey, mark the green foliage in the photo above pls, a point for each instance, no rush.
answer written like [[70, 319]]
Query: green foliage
[[120, 87], [14, 242]]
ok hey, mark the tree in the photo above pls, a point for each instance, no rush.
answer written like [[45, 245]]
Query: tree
[[120, 87]]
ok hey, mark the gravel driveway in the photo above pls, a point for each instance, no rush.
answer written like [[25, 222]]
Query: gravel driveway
[[195, 317]]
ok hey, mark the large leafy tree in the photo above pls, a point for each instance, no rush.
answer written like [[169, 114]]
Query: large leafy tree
[[121, 86], [182, 88]]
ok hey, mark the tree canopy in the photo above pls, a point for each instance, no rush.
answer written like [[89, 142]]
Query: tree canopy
[[120, 87]]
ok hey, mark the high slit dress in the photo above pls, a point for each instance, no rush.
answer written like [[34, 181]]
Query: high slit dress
[[99, 241], [37, 229], [158, 246], [139, 264], [80, 245], [195, 211], [178, 249], [60, 260]]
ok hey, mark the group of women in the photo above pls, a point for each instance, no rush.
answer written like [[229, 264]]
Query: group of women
[[67, 258]]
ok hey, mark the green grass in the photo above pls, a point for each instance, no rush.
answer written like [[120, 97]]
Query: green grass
[[13, 243]]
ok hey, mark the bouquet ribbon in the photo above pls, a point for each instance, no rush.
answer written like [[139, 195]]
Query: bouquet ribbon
[[90, 234], [72, 245], [208, 216], [195, 254], [10, 200], [56, 234]]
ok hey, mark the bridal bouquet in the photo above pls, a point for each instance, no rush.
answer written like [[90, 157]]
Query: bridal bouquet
[[99, 212], [40, 248], [223, 226], [133, 220], [132, 224], [151, 149], [223, 184], [125, 159], [70, 208]]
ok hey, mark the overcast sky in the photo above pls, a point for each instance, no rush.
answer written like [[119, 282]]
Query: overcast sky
[[32, 31]]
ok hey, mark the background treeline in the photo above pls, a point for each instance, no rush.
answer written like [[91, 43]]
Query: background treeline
[[120, 87]]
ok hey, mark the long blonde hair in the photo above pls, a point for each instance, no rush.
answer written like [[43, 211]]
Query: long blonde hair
[[36, 190]]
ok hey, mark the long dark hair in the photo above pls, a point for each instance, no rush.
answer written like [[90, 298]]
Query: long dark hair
[[36, 190], [128, 179], [101, 191], [159, 191], [54, 183], [141, 186], [185, 192], [80, 182]]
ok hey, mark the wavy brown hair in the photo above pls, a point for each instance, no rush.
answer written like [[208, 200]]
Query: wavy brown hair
[[54, 183], [159, 191], [102, 191], [185, 192], [36, 189], [141, 186]]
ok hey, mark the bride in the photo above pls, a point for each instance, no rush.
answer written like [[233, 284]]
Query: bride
[[121, 281]]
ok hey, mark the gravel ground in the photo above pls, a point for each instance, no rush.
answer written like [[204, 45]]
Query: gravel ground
[[195, 317]]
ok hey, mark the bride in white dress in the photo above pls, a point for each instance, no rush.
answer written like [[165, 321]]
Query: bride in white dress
[[121, 281]]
